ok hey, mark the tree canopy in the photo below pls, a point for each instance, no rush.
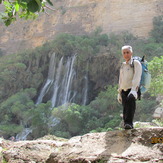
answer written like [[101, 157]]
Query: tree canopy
[[155, 67], [22, 8]]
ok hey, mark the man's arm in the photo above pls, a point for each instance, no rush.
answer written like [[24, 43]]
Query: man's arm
[[119, 98]]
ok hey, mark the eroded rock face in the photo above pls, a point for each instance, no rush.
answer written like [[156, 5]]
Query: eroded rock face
[[115, 146], [31, 151], [81, 17]]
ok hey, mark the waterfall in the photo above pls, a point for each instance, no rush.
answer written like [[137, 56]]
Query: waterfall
[[85, 91], [68, 80], [44, 90], [56, 84], [49, 80], [23, 135], [64, 80], [85, 88], [62, 86]]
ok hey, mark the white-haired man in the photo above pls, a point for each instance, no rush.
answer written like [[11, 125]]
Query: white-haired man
[[129, 79]]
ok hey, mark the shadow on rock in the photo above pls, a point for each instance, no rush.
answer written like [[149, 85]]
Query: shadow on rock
[[134, 145]]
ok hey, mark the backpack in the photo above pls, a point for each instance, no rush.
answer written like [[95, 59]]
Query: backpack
[[146, 76]]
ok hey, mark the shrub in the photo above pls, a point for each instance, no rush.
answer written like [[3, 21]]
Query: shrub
[[157, 31]]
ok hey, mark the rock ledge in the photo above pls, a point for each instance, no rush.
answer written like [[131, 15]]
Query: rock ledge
[[136, 145]]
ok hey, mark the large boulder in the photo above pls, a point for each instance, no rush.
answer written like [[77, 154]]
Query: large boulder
[[158, 113], [136, 145], [139, 124]]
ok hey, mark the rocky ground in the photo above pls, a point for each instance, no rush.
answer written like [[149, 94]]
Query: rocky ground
[[136, 145]]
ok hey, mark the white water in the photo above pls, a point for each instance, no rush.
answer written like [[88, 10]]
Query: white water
[[44, 90], [23, 135], [53, 121], [68, 82], [85, 91], [60, 83], [56, 84], [49, 80]]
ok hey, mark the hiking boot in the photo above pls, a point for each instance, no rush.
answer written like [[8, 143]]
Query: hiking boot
[[128, 126]]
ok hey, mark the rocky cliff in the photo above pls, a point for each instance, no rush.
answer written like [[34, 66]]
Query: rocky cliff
[[80, 17], [136, 145]]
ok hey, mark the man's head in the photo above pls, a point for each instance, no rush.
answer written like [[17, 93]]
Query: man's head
[[127, 52]]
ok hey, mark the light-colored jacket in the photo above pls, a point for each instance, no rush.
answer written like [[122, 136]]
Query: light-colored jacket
[[130, 75]]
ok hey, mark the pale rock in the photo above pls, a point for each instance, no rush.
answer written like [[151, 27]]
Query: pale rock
[[158, 113], [114, 146], [139, 124]]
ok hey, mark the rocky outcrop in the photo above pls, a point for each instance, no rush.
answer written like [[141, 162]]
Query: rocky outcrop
[[136, 145], [158, 113], [81, 17]]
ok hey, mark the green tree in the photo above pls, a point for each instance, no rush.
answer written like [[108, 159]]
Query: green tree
[[71, 115], [155, 67], [40, 119], [157, 31], [23, 8], [14, 112]]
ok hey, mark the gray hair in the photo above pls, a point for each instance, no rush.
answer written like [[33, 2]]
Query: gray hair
[[127, 47]]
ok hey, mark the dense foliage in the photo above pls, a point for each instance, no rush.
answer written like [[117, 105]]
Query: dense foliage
[[155, 66], [21, 77], [83, 46], [157, 31], [23, 8], [102, 114]]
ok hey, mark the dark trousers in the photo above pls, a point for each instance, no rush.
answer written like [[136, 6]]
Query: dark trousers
[[129, 106]]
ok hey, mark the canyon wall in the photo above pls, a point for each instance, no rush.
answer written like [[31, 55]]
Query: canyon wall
[[80, 17]]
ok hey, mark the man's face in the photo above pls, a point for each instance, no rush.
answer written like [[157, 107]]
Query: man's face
[[126, 54]]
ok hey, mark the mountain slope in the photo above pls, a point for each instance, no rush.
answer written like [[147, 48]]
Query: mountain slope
[[80, 17]]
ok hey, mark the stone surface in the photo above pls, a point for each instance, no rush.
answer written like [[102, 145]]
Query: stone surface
[[158, 113], [27, 151], [139, 124], [80, 17], [135, 145]]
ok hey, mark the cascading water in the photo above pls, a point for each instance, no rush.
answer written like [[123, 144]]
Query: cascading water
[[85, 88], [60, 85], [49, 80], [56, 83], [67, 82], [85, 91], [63, 82], [23, 135]]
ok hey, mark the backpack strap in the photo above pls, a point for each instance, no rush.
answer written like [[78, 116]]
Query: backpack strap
[[132, 63], [138, 92]]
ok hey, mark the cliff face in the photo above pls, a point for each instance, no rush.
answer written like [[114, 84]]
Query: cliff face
[[137, 145], [80, 17]]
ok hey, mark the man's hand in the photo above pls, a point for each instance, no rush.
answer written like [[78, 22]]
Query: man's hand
[[134, 93], [119, 98]]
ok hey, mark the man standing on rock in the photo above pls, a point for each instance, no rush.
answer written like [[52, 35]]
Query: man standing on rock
[[129, 79]]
